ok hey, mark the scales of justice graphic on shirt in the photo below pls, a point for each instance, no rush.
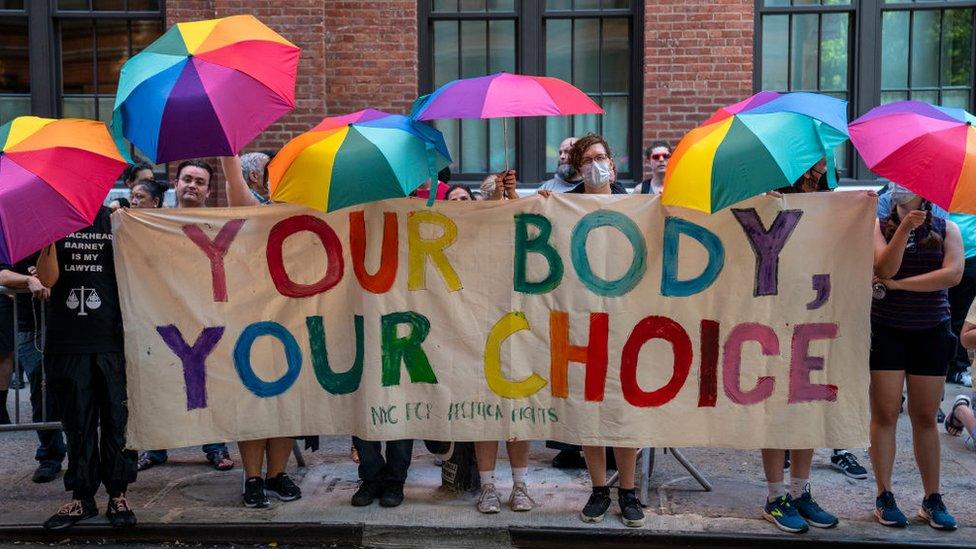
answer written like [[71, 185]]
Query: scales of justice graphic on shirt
[[88, 300]]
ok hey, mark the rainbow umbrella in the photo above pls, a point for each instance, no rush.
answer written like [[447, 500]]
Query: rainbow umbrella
[[762, 143], [355, 158], [205, 88], [930, 150], [54, 175]]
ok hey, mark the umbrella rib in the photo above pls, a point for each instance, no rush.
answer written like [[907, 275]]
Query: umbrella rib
[[52, 187]]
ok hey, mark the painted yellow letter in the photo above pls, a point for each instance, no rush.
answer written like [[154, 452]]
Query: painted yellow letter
[[419, 249], [506, 388]]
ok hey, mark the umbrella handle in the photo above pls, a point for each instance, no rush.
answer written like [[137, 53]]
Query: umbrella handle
[[432, 173], [505, 138]]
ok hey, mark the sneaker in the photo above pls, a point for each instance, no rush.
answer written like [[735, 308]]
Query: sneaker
[[631, 510], [220, 460], [520, 501], [813, 513], [568, 459], [952, 424], [488, 500], [119, 513], [254, 495], [367, 493], [148, 461], [597, 505], [846, 463], [46, 471], [934, 511], [887, 511], [392, 495], [966, 379], [282, 488], [72, 513], [784, 515]]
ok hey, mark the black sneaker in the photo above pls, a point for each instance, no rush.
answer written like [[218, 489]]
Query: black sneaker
[[846, 463], [119, 513], [282, 488], [254, 495], [392, 495], [367, 493], [46, 471], [72, 513], [631, 510], [597, 505]]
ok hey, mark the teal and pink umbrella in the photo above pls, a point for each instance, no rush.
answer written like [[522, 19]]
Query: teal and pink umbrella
[[205, 88], [928, 149]]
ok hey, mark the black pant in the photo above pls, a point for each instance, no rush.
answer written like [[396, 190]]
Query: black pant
[[372, 466], [960, 298], [91, 391], [51, 446]]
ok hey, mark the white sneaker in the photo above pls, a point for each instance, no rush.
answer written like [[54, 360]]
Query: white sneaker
[[966, 379], [488, 500], [520, 500]]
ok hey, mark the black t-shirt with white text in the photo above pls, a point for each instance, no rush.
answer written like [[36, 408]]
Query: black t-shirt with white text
[[84, 308]]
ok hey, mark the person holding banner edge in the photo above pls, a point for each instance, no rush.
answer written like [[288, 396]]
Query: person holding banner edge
[[917, 257]]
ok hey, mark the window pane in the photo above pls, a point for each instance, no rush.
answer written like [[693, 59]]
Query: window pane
[[11, 4], [927, 96], [776, 3], [616, 55], [833, 51], [558, 49], [143, 5], [105, 105], [585, 123], [14, 59], [891, 97], [108, 5], [559, 5], [775, 34], [499, 141], [501, 57], [616, 4], [445, 5], [144, 33], [957, 98], [957, 52], [474, 48], [12, 106], [894, 49], [615, 131], [557, 129], [805, 52], [501, 5], [836, 2], [472, 5], [112, 38], [77, 67], [925, 48], [806, 2], [78, 107], [73, 4], [450, 130], [474, 141], [445, 52], [587, 4], [586, 58]]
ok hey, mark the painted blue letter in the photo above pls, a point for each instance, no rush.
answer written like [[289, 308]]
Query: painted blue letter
[[242, 359], [674, 227]]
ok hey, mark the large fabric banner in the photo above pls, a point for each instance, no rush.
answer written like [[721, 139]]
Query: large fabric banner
[[588, 319]]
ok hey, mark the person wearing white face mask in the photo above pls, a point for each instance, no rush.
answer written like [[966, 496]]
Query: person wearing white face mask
[[590, 156]]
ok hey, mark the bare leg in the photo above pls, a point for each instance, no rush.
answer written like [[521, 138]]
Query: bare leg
[[886, 387], [6, 368], [924, 395], [773, 464], [252, 454], [626, 466], [278, 450], [596, 464], [801, 461], [965, 416], [518, 453], [486, 452]]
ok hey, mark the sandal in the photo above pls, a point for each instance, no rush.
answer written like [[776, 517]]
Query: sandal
[[952, 424], [220, 460], [146, 461]]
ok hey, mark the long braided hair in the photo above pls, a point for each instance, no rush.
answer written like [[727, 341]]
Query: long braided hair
[[925, 236]]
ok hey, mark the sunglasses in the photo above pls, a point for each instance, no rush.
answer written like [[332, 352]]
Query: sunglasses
[[660, 156]]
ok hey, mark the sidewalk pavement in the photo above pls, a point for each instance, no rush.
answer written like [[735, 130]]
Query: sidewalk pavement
[[187, 500]]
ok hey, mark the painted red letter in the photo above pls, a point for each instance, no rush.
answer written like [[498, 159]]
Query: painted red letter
[[276, 265], [216, 249], [655, 327]]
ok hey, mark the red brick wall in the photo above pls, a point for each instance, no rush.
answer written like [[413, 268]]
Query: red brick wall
[[698, 57], [354, 55]]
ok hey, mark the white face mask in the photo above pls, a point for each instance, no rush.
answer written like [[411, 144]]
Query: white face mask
[[597, 174]]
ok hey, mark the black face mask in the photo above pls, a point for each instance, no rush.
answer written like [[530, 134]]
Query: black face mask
[[566, 172]]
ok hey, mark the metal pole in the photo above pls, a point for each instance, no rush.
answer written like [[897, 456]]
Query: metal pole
[[17, 373], [691, 469]]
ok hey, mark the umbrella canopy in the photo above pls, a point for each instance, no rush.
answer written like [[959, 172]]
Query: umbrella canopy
[[762, 143], [360, 157], [205, 88], [930, 150], [54, 176], [502, 95]]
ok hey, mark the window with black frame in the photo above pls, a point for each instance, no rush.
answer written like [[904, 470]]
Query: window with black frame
[[15, 97], [585, 42]]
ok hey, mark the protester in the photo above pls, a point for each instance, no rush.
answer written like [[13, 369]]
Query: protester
[[566, 177], [795, 510], [592, 158], [657, 156], [382, 477], [86, 364], [50, 450], [459, 192], [135, 173], [194, 181], [253, 168], [147, 194], [423, 191], [961, 297], [500, 186], [918, 256]]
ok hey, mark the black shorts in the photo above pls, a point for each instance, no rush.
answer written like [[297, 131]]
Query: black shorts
[[8, 334], [916, 352]]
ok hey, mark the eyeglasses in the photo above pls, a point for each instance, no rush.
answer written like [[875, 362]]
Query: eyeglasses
[[660, 156], [597, 158]]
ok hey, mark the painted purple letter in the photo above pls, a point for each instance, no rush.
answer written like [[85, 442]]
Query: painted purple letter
[[193, 359], [732, 362], [767, 244], [821, 285], [801, 364]]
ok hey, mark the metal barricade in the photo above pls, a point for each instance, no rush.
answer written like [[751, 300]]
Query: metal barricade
[[41, 326]]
